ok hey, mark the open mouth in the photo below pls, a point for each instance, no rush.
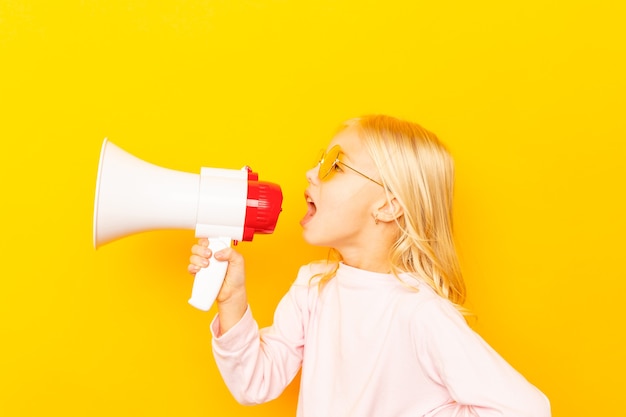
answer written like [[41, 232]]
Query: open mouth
[[311, 209]]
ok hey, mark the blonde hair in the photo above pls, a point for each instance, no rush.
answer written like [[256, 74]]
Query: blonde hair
[[417, 169]]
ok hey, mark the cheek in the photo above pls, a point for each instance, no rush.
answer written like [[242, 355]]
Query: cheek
[[347, 207]]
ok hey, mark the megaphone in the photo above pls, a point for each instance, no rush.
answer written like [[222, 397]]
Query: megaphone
[[224, 205]]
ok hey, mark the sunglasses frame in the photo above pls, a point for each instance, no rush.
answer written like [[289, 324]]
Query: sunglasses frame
[[324, 170]]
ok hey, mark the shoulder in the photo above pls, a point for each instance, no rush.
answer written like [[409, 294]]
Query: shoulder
[[435, 316], [303, 296], [310, 274], [305, 290], [307, 280]]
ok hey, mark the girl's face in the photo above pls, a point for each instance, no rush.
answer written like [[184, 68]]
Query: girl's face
[[342, 205]]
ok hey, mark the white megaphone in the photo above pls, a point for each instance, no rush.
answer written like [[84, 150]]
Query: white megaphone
[[224, 205]]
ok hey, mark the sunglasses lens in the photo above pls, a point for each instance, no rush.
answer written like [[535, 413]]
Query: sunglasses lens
[[327, 162]]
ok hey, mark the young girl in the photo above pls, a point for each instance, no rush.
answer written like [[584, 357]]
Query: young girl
[[380, 332]]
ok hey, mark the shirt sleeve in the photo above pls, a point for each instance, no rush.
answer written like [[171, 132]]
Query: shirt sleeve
[[480, 382], [257, 365]]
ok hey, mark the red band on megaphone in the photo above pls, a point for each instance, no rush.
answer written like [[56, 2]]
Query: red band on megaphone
[[262, 208]]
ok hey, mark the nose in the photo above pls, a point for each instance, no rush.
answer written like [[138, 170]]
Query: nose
[[312, 174]]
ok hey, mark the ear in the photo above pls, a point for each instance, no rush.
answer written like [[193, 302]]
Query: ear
[[388, 211]]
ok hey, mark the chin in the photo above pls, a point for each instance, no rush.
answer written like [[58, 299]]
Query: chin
[[310, 237]]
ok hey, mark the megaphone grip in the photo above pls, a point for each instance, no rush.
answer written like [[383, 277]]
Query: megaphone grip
[[209, 280]]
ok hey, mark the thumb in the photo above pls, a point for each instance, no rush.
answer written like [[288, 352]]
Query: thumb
[[229, 255], [235, 274]]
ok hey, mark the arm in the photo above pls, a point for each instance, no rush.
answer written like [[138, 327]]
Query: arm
[[480, 382], [256, 364]]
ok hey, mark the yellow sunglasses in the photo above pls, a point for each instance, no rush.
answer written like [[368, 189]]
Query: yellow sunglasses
[[329, 161]]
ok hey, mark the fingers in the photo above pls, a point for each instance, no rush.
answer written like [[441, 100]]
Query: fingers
[[193, 269], [200, 255], [201, 261], [202, 251]]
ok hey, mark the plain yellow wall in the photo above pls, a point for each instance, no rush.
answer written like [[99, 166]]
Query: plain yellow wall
[[529, 96]]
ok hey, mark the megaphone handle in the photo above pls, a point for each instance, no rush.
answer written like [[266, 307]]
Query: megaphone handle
[[208, 281]]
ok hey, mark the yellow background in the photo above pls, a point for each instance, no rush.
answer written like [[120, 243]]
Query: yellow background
[[529, 95]]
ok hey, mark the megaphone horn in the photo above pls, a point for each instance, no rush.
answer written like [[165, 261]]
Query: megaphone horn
[[223, 205]]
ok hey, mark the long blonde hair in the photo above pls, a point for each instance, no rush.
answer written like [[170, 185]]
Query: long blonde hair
[[417, 169]]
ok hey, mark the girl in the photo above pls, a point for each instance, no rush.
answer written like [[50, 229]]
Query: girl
[[380, 331]]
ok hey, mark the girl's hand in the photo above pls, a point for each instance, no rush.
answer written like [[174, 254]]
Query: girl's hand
[[234, 281]]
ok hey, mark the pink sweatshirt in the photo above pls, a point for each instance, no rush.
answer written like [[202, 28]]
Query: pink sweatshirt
[[369, 346]]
